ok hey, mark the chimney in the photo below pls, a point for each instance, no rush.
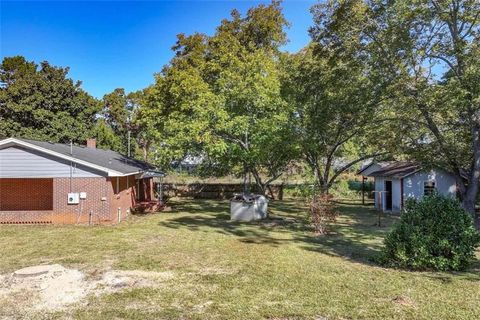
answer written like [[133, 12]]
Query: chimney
[[92, 143]]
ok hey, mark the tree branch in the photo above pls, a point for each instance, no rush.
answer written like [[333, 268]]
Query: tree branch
[[350, 164]]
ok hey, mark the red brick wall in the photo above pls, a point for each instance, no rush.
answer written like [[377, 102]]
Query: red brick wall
[[123, 199], [26, 194], [97, 202], [103, 201]]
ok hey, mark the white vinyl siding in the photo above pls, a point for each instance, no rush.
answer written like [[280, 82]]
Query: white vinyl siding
[[17, 162], [414, 185], [379, 186], [396, 195]]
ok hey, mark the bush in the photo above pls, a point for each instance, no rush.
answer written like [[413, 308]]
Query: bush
[[304, 191], [341, 189], [322, 212], [433, 234]]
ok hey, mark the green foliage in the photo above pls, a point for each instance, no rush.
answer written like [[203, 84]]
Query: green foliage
[[116, 110], [434, 233], [106, 137], [302, 191], [117, 119], [424, 56], [337, 103], [341, 188], [219, 98], [41, 102]]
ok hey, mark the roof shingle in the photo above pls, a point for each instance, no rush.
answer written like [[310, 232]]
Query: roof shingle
[[397, 169], [104, 158]]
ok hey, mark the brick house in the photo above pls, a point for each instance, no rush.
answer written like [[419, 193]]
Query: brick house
[[43, 182]]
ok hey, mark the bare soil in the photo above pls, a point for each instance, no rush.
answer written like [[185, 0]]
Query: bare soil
[[53, 287]]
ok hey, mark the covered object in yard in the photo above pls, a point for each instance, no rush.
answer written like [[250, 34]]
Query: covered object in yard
[[248, 207], [43, 182]]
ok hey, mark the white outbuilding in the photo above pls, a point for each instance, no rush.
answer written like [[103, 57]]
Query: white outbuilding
[[396, 181]]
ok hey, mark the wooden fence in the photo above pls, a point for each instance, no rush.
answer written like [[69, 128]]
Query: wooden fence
[[214, 190]]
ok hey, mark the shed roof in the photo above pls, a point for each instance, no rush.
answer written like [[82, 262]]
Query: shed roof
[[397, 169], [105, 160]]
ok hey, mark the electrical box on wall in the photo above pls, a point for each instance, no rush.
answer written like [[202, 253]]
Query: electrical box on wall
[[83, 195], [73, 198]]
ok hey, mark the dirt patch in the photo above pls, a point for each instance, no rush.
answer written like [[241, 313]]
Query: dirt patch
[[115, 280], [53, 287]]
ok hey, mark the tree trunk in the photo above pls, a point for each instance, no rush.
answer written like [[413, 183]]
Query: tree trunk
[[471, 190], [262, 187], [145, 148], [469, 194], [324, 187], [321, 178]]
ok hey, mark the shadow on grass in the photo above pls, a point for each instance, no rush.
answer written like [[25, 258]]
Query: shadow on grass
[[213, 216], [355, 236]]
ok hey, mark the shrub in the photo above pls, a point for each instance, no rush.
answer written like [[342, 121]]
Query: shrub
[[322, 213], [341, 188], [434, 233], [304, 191]]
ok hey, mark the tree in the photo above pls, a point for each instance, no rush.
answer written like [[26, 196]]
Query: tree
[[427, 52], [220, 97], [337, 109], [41, 102], [105, 137], [116, 128], [149, 122], [116, 110]]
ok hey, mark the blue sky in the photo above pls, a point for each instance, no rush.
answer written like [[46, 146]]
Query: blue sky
[[111, 44]]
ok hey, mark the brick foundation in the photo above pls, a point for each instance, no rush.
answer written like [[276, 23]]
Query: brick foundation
[[103, 204]]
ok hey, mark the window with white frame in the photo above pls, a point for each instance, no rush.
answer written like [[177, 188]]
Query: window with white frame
[[428, 188]]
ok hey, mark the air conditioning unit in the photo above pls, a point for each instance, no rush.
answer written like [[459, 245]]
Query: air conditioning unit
[[73, 198]]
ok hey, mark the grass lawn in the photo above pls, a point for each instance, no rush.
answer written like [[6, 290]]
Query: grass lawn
[[273, 269]]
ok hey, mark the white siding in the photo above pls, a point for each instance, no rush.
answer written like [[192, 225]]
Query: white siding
[[396, 195], [372, 168], [444, 183], [379, 186], [16, 162]]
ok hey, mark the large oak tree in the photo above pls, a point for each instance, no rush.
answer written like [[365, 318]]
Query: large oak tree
[[220, 98], [41, 102]]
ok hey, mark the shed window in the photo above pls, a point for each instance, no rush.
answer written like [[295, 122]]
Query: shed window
[[428, 188]]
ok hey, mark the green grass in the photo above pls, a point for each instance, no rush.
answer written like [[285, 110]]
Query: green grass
[[272, 269]]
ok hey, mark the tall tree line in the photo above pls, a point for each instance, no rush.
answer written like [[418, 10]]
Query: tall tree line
[[40, 101], [397, 79]]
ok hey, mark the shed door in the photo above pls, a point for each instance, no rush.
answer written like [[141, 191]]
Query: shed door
[[388, 195]]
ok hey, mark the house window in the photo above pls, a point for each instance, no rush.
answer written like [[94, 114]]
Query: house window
[[428, 188]]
